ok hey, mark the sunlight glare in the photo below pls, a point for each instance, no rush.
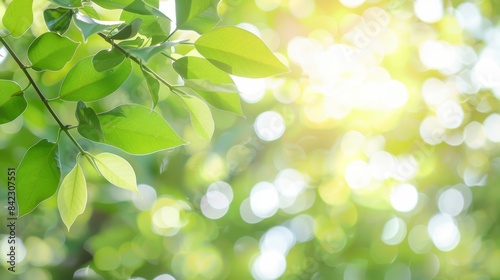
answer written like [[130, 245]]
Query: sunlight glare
[[269, 126], [443, 232], [404, 197], [264, 200], [394, 231]]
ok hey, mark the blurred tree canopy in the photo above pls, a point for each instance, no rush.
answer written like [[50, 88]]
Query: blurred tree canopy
[[376, 157]]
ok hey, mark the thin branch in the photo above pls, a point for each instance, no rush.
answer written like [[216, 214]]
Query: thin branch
[[40, 94], [138, 61]]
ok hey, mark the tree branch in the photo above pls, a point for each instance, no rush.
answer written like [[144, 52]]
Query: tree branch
[[40, 94]]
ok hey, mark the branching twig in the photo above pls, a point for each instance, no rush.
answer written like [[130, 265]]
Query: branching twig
[[40, 94]]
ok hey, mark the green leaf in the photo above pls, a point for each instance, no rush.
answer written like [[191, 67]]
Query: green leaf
[[72, 196], [154, 27], [18, 17], [116, 170], [89, 26], [194, 68], [51, 51], [239, 52], [12, 102], [84, 83], [197, 15], [38, 175], [153, 86], [88, 123], [201, 117], [147, 53], [107, 59], [58, 20], [68, 3], [128, 31], [137, 130]]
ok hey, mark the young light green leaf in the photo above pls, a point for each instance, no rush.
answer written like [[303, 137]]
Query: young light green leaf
[[201, 117], [153, 86], [239, 52], [68, 3], [58, 20], [18, 17], [89, 26], [128, 30], [107, 59], [88, 123], [84, 83], [72, 196], [147, 53], [51, 51], [197, 15], [38, 175], [12, 102], [137, 130], [116, 170], [194, 68]]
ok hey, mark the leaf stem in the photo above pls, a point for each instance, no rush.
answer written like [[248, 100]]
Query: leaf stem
[[40, 94], [138, 61]]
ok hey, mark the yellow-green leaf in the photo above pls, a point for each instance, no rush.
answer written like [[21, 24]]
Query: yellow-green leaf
[[18, 17], [51, 51], [116, 170], [72, 196], [201, 117], [239, 52]]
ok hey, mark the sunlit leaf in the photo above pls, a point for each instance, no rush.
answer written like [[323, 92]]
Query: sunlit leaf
[[68, 3], [153, 86], [12, 102], [58, 20], [18, 17], [51, 51], [201, 117], [89, 26], [88, 123], [116, 170], [239, 52], [38, 175], [137, 130], [84, 83], [107, 59], [197, 15], [72, 196], [128, 31], [195, 68]]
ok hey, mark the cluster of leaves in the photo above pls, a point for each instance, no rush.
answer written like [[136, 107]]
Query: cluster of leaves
[[141, 33]]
